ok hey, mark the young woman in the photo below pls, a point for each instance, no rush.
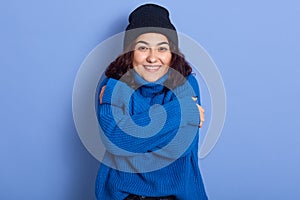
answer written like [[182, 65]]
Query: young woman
[[149, 111]]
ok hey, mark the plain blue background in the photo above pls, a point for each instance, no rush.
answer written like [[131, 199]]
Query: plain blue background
[[255, 45]]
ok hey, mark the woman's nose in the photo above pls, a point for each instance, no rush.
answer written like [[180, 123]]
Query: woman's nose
[[151, 58]]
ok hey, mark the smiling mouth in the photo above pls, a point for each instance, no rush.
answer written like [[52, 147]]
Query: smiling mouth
[[152, 67]]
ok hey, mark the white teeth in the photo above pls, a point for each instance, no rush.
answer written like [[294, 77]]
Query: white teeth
[[151, 67]]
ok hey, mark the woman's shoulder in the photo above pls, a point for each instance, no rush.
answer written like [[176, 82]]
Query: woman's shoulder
[[188, 88], [112, 82], [192, 79]]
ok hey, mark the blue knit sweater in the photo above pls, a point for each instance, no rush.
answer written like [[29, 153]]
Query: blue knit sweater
[[151, 138]]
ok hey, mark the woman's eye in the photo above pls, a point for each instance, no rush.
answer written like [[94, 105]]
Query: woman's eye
[[142, 48], [162, 49]]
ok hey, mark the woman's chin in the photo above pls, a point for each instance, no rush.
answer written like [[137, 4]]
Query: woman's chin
[[151, 79]]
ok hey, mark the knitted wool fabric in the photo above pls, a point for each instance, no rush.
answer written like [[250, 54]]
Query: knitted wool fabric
[[181, 177]]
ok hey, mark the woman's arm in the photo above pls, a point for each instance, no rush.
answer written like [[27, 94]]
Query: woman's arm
[[195, 99], [194, 83], [120, 137]]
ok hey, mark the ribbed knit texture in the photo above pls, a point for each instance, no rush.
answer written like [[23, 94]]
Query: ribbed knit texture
[[181, 177]]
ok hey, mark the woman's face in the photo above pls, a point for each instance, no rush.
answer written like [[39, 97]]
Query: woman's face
[[152, 56]]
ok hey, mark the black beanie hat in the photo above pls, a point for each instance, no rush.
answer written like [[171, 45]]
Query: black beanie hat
[[149, 18]]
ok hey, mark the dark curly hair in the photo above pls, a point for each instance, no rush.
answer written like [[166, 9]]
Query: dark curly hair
[[122, 65]]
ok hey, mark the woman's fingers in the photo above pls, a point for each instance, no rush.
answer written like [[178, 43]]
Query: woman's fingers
[[201, 111], [201, 108], [201, 123], [101, 94], [202, 116]]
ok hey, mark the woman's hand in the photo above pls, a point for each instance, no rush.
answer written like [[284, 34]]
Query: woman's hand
[[201, 111], [101, 94], [202, 117]]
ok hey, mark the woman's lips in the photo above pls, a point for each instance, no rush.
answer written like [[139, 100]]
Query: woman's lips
[[152, 67]]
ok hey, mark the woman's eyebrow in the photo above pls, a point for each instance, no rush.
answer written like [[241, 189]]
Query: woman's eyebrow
[[161, 43], [143, 42], [146, 43]]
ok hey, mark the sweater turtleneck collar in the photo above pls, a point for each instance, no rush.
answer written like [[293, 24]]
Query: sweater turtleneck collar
[[150, 88]]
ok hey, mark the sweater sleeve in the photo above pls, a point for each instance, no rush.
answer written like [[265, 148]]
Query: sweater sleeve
[[194, 84], [191, 88], [119, 129]]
